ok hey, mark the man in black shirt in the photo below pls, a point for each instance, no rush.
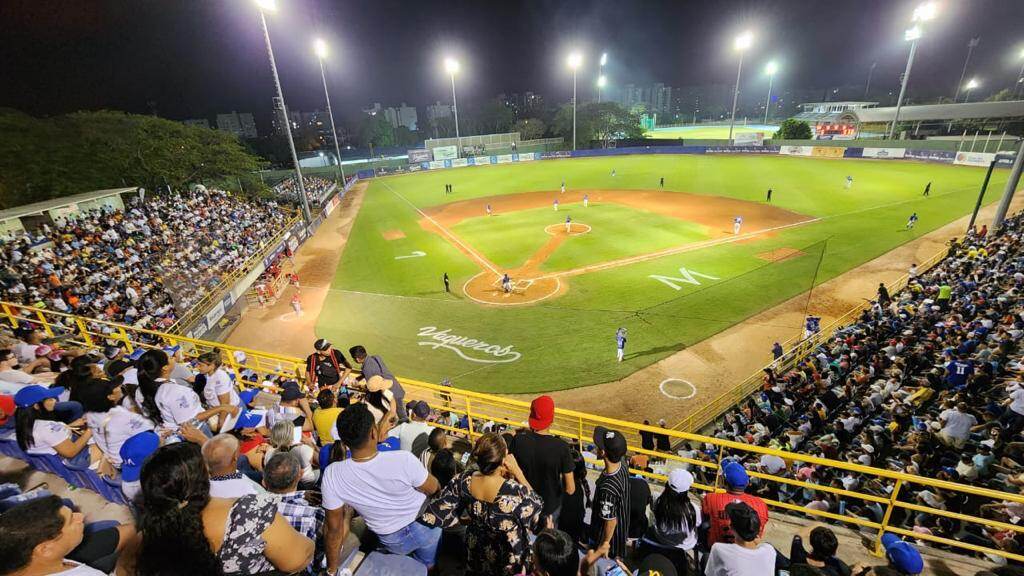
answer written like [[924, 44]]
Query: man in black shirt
[[609, 519], [546, 460], [373, 365], [647, 438], [326, 366]]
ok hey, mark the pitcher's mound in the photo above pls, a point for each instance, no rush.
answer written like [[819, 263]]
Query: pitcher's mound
[[486, 288], [575, 229]]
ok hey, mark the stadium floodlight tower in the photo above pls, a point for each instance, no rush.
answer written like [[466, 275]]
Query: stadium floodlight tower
[[271, 6], [320, 47], [971, 85], [922, 13], [601, 80], [451, 66], [770, 69], [742, 43], [574, 61], [1019, 88]]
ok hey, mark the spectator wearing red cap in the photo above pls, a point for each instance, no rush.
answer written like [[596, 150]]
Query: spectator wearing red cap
[[546, 460]]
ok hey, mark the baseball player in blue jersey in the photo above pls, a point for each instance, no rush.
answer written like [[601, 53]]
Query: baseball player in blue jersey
[[620, 343], [506, 283], [911, 221], [849, 182]]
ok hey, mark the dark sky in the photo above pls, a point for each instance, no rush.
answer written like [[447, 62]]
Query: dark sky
[[194, 58]]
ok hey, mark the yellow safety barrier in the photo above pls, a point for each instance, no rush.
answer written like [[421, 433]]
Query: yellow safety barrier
[[798, 348], [476, 412]]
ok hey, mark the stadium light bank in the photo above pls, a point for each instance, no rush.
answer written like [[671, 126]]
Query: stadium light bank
[[451, 66], [742, 43], [922, 13], [320, 47], [575, 60]]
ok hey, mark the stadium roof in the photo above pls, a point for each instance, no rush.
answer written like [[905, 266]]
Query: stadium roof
[[47, 205], [931, 112]]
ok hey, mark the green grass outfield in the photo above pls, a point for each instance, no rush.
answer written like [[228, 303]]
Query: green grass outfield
[[395, 307], [708, 132]]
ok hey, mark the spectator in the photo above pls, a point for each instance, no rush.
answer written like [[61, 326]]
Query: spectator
[[609, 519], [184, 531], [284, 437], [444, 467], [326, 367], [714, 507], [13, 377], [575, 505], [546, 460], [386, 488], [747, 555], [957, 424], [822, 556], [281, 476], [414, 435], [110, 423], [676, 520], [374, 366], [554, 554], [436, 442], [219, 390], [294, 408], [134, 453], [7, 408], [661, 441], [43, 536], [221, 454], [647, 437], [167, 403], [501, 507], [29, 340], [39, 432], [325, 416], [903, 557]]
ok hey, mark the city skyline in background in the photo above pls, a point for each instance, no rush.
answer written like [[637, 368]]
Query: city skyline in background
[[201, 61]]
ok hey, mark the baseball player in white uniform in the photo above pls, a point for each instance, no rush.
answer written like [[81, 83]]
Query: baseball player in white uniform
[[737, 222]]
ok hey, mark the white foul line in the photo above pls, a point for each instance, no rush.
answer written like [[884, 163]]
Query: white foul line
[[480, 259]]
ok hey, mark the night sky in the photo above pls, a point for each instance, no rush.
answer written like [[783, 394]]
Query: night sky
[[194, 58]]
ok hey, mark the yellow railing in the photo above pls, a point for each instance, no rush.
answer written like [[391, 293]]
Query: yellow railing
[[798, 348], [478, 410], [227, 282]]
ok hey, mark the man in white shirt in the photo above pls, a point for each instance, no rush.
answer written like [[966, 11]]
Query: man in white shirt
[[221, 454], [36, 538], [386, 488], [748, 556], [956, 425], [408, 432]]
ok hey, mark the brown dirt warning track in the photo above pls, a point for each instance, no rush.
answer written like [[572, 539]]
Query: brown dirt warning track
[[531, 285]]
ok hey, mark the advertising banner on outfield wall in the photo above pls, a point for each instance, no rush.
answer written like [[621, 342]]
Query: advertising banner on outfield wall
[[796, 150], [215, 314], [884, 152], [934, 155], [974, 158], [748, 138], [457, 163], [742, 150], [828, 151], [503, 159], [419, 155], [446, 152], [555, 154]]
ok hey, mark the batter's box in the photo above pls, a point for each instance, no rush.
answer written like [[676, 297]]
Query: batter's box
[[518, 286]]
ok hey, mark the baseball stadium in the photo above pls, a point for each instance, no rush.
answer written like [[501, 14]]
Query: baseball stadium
[[679, 349]]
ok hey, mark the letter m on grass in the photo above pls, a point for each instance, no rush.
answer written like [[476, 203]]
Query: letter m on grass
[[685, 277]]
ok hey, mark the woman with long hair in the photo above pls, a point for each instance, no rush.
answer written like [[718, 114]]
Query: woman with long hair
[[81, 370], [676, 519], [110, 423], [219, 389], [168, 403], [574, 506], [183, 531], [502, 508], [38, 430]]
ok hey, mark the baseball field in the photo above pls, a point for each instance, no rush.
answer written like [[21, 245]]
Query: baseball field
[[661, 261]]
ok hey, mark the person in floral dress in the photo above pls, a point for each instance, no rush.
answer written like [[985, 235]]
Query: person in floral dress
[[501, 507]]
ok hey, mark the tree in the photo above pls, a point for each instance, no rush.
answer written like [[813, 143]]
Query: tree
[[1004, 95], [494, 118], [530, 128], [792, 129], [42, 158], [603, 121], [377, 130]]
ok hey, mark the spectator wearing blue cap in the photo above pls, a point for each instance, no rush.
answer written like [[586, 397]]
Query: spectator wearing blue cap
[[903, 556], [134, 453], [714, 504], [39, 432]]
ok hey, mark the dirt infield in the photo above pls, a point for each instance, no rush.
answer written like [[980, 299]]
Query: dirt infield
[[530, 285], [393, 234]]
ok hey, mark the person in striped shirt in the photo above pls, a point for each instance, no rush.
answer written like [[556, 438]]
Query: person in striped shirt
[[609, 520]]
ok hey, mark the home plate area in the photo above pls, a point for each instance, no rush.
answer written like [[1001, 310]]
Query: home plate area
[[486, 288]]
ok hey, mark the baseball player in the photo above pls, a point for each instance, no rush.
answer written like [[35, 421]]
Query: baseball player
[[556, 204], [769, 199], [613, 172], [447, 283], [661, 184], [586, 200], [506, 283], [489, 210], [568, 223], [297, 304], [563, 186], [737, 222], [928, 189], [620, 343], [911, 221], [849, 182]]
